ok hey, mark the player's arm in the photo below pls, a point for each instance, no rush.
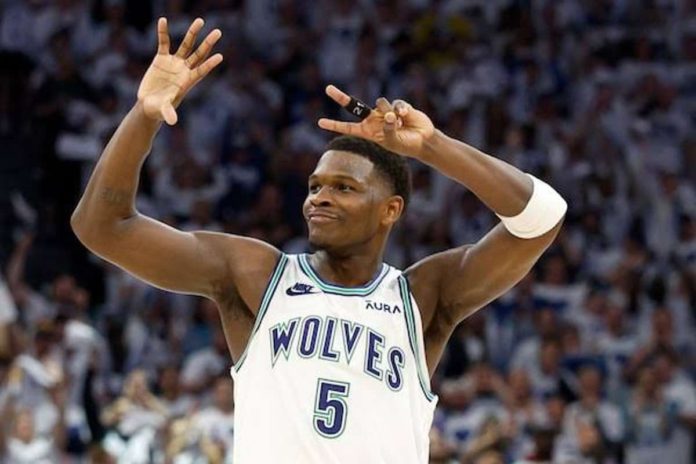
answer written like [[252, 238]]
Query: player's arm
[[106, 220], [462, 280], [459, 281]]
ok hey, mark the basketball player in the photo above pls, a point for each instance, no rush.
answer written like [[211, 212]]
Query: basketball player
[[333, 350]]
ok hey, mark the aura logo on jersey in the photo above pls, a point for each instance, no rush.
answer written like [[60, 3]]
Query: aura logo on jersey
[[384, 307], [337, 340]]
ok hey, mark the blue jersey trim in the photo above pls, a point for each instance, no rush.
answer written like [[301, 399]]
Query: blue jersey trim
[[265, 302], [336, 289], [409, 317]]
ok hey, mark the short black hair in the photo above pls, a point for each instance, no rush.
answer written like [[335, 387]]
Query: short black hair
[[393, 167]]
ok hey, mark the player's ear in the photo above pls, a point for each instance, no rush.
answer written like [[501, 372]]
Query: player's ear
[[393, 208]]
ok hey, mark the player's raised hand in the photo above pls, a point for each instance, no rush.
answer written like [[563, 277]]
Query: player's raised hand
[[171, 76], [397, 126]]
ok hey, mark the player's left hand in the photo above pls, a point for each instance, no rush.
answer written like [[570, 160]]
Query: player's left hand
[[396, 126]]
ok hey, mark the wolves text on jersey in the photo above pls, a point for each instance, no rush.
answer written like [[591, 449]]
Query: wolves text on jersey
[[336, 340]]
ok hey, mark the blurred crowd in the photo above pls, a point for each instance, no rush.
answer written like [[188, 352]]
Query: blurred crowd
[[590, 359]]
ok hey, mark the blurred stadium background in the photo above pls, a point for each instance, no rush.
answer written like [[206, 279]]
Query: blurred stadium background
[[589, 360]]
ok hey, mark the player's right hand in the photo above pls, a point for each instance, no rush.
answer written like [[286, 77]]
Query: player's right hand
[[171, 76]]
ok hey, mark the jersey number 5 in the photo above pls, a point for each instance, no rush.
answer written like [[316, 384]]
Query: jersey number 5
[[330, 409]]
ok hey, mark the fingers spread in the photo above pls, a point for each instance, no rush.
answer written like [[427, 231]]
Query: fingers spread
[[208, 65], [342, 127], [162, 37], [203, 70], [204, 49], [337, 95], [190, 38]]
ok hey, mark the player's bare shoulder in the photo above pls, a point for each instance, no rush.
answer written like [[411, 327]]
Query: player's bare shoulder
[[425, 279], [249, 264]]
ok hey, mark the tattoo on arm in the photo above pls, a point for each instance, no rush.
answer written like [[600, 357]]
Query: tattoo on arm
[[115, 197]]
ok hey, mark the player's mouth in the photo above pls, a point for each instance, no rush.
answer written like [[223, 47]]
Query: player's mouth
[[320, 217]]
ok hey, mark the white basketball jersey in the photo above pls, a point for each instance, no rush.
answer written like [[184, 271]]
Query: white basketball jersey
[[333, 374]]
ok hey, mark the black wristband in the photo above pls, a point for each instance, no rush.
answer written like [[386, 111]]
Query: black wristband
[[357, 108]]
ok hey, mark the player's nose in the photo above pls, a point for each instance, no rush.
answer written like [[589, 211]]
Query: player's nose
[[321, 197]]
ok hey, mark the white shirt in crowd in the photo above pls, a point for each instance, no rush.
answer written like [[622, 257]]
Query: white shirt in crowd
[[202, 364], [38, 451]]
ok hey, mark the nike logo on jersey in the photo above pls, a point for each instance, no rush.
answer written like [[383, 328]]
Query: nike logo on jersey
[[300, 289]]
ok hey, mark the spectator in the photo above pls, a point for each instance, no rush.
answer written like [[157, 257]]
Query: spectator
[[441, 450], [134, 419], [545, 325], [20, 442], [616, 345], [179, 188], [208, 433], [201, 366], [651, 420], [175, 400], [478, 426], [546, 374], [526, 412], [680, 392], [591, 415], [543, 447]]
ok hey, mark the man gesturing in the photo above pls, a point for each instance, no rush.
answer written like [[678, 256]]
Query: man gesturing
[[333, 350]]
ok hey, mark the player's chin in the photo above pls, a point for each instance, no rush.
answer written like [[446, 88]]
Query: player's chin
[[317, 243], [319, 240]]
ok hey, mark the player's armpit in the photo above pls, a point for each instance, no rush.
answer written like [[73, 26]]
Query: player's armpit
[[199, 263], [462, 280]]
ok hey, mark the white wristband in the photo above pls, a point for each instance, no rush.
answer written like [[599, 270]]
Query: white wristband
[[544, 210]]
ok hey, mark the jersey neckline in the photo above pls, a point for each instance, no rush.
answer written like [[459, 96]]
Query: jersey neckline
[[328, 287]]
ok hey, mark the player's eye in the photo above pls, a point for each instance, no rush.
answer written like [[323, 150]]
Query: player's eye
[[344, 188], [314, 188]]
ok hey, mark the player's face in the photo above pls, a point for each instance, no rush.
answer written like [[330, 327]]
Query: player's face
[[348, 203]]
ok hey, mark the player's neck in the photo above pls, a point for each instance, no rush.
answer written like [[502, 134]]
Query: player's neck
[[352, 270]]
